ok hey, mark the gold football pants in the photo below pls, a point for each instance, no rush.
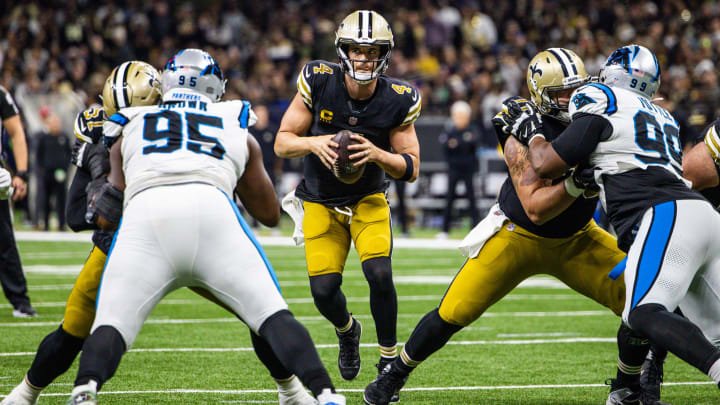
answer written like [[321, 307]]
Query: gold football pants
[[80, 307], [512, 255], [328, 232]]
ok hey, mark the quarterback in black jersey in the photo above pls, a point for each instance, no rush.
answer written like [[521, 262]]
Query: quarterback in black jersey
[[537, 227], [353, 95]]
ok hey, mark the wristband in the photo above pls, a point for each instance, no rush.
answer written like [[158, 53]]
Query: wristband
[[571, 188], [23, 174], [409, 167]]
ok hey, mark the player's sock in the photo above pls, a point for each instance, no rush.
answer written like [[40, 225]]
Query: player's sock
[[25, 392], [269, 359], [406, 363], [714, 371], [54, 356], [101, 356], [383, 298], [632, 350], [293, 346], [347, 326], [429, 336], [329, 298], [680, 336], [388, 352]]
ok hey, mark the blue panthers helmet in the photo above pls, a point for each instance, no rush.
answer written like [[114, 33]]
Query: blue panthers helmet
[[196, 70], [632, 67]]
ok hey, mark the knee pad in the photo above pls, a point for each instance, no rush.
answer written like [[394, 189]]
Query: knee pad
[[325, 287], [378, 272], [637, 317]]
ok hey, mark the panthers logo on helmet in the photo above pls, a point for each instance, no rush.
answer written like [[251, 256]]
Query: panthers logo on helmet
[[632, 67]]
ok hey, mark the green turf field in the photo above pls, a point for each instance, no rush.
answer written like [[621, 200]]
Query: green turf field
[[543, 344]]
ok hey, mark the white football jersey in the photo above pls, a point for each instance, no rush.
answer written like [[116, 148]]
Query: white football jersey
[[643, 134], [188, 141]]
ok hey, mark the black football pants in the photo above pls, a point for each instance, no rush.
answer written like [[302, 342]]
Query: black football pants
[[11, 274]]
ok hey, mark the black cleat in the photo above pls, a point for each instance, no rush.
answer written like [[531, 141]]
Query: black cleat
[[621, 395], [384, 361], [349, 356], [386, 386], [651, 378]]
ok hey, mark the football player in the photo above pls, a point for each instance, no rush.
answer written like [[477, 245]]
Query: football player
[[701, 165], [352, 95], [537, 227], [192, 150], [634, 147], [131, 84]]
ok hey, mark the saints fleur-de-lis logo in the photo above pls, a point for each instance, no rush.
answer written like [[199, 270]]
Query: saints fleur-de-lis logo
[[534, 70]]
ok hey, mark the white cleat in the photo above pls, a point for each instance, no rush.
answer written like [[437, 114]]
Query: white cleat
[[328, 397], [292, 392], [23, 394], [83, 395]]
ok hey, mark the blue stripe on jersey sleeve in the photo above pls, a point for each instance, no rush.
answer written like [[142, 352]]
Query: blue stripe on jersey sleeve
[[244, 117], [612, 101], [119, 119], [653, 252]]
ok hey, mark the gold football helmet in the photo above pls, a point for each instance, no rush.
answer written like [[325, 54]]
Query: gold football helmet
[[364, 27], [550, 72], [131, 84]]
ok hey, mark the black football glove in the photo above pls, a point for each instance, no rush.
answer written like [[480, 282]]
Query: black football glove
[[582, 182], [91, 157], [519, 118]]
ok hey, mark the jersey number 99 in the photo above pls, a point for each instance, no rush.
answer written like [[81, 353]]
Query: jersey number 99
[[174, 133]]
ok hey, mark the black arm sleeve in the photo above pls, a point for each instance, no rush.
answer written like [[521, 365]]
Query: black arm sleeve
[[581, 138], [8, 108], [77, 202]]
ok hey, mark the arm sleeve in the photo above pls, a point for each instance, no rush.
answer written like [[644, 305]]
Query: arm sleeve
[[8, 108], [76, 202], [581, 138]]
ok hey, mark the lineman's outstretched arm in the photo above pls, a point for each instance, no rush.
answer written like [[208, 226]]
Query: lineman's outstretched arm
[[255, 189]]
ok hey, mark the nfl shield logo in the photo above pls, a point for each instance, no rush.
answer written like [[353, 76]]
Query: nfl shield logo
[[352, 120]]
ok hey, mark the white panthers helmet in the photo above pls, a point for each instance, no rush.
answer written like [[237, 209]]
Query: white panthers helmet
[[195, 70], [632, 67]]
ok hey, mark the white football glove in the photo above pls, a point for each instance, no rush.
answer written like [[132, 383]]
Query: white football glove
[[5, 183]]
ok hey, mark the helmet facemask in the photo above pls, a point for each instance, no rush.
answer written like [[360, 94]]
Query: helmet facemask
[[378, 66]]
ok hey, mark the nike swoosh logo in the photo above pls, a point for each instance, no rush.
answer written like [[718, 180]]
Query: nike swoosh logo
[[83, 127], [307, 73], [414, 96]]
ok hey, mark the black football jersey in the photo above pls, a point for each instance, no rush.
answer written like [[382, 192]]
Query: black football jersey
[[322, 87], [88, 125], [566, 223]]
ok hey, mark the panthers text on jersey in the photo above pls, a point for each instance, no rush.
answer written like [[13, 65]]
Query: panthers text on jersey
[[190, 141], [322, 87], [637, 159]]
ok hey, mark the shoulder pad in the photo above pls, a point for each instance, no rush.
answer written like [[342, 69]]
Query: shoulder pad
[[88, 125], [593, 98], [308, 76], [410, 96]]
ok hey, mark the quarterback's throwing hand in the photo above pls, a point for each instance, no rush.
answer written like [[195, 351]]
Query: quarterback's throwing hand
[[322, 146]]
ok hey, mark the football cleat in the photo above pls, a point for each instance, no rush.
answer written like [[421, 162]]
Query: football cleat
[[384, 361], [620, 395], [292, 392], [83, 395], [327, 397], [24, 311], [349, 356], [651, 378], [22, 394], [386, 386]]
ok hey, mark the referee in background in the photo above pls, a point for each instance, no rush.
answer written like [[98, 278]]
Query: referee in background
[[11, 273]]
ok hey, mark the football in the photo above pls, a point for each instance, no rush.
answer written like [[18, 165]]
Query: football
[[343, 168]]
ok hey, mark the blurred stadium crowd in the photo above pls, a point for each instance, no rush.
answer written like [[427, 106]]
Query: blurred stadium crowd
[[55, 55]]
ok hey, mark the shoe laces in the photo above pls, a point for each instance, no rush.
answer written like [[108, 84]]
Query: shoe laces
[[348, 344], [390, 379]]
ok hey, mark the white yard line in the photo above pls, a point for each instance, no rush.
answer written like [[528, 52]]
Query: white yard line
[[406, 389]]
